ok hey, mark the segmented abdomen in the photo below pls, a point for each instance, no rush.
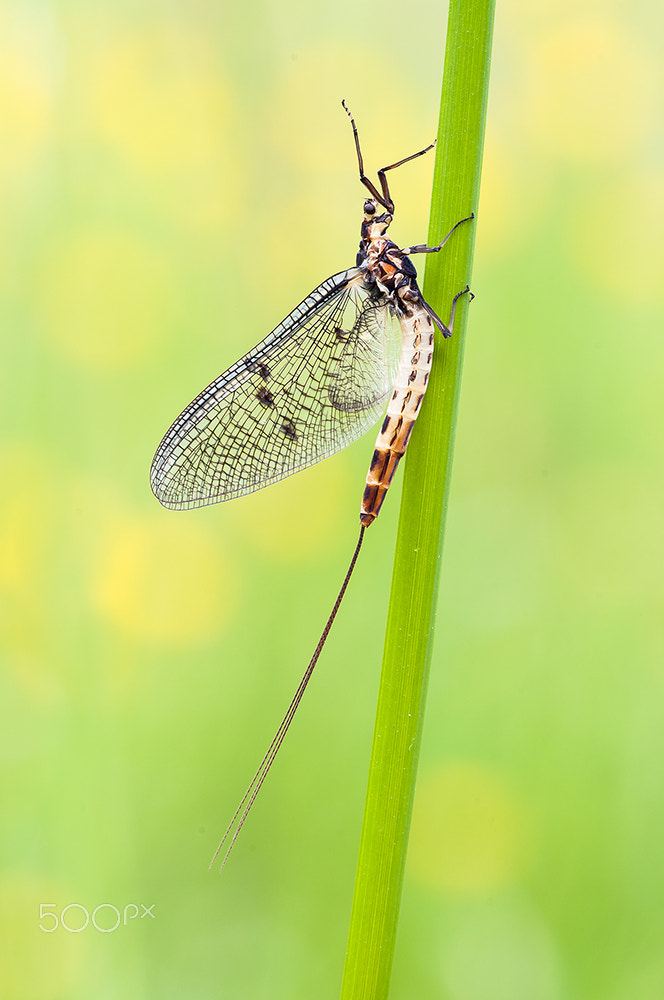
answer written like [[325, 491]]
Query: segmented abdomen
[[409, 388]]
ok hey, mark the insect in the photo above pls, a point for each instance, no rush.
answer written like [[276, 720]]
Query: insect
[[318, 381]]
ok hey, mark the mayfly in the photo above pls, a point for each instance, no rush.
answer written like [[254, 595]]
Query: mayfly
[[313, 386]]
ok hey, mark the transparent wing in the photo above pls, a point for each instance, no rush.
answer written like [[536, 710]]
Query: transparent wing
[[314, 385]]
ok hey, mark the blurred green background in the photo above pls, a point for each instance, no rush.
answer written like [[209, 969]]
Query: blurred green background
[[174, 178]]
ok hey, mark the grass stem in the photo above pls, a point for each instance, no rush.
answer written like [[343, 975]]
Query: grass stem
[[428, 466]]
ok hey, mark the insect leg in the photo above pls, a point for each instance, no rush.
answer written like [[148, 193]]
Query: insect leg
[[383, 170], [447, 330], [386, 203], [385, 200], [423, 248]]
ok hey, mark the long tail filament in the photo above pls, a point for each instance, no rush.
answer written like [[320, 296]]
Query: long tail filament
[[254, 788]]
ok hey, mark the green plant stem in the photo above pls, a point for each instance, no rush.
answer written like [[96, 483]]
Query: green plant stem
[[415, 581]]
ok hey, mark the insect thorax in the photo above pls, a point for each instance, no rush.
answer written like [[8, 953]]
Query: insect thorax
[[390, 271]]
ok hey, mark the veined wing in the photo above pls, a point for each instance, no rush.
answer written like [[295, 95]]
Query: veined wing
[[314, 385]]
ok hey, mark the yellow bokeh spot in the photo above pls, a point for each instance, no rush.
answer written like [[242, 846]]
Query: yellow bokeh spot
[[469, 831], [26, 519], [26, 97], [105, 296], [29, 513], [38, 962], [590, 92], [159, 101], [515, 190], [159, 98], [161, 579], [617, 238]]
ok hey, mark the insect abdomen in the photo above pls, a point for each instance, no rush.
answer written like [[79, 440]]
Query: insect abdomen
[[409, 388]]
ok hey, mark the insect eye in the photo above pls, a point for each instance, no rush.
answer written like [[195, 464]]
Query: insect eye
[[369, 207]]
